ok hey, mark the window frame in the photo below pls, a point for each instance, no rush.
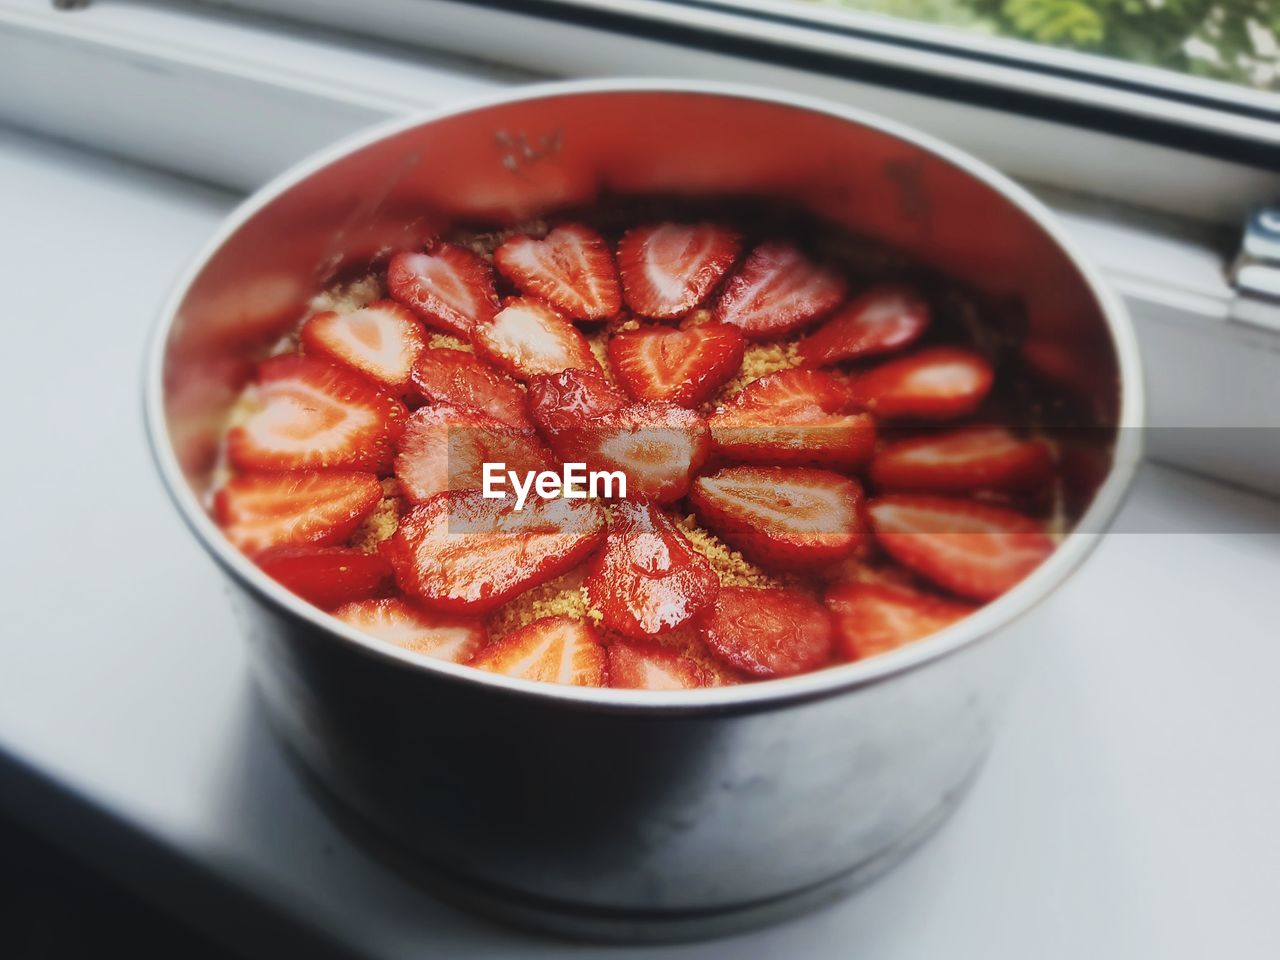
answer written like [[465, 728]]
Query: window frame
[[1216, 171]]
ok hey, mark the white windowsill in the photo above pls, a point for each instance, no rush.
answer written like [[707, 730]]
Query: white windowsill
[[1127, 811]]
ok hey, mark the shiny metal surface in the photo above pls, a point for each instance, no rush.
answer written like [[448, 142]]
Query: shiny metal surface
[[634, 812]]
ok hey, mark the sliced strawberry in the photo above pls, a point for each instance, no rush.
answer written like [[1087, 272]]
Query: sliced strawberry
[[971, 549], [937, 384], [460, 379], [313, 414], [262, 510], [650, 666], [670, 268], [782, 517], [873, 618], [463, 552], [571, 268], [880, 321], [440, 635], [657, 446], [793, 417], [381, 341], [560, 403], [450, 288], [777, 290], [526, 338], [445, 448], [647, 579], [962, 461], [685, 367], [326, 576], [767, 633], [553, 650]]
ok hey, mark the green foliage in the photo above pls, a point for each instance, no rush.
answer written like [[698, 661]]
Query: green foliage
[[1234, 40]]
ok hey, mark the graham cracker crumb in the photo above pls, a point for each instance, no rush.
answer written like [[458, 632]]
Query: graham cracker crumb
[[562, 596], [733, 569], [348, 297], [598, 341], [384, 520], [759, 360], [448, 341]]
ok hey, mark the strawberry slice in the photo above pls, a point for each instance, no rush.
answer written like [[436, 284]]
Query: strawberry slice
[[793, 417], [767, 633], [262, 510], [459, 379], [526, 338], [570, 268], [657, 446], [450, 288], [685, 367], [560, 403], [669, 268], [962, 461], [429, 632], [463, 552], [326, 576], [969, 548], [777, 290], [873, 618], [381, 341], [313, 414], [647, 579], [782, 517], [445, 448], [880, 321], [553, 650], [651, 666], [938, 384]]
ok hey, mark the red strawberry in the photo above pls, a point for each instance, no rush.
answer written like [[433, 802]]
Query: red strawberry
[[679, 366], [657, 446], [262, 510], [647, 579], [651, 666], [873, 618], [570, 268], [313, 414], [563, 402], [669, 268], [793, 417], [777, 290], [450, 288], [459, 379], [767, 633], [961, 461], [445, 448], [463, 552], [526, 338], [553, 650], [381, 341], [971, 549], [326, 576], [429, 632], [937, 384], [782, 517], [880, 321]]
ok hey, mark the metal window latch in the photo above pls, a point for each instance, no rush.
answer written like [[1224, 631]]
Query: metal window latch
[[1255, 274]]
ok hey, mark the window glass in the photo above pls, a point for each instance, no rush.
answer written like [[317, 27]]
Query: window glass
[[1232, 40]]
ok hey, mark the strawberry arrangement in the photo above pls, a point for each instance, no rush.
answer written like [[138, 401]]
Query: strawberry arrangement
[[813, 471]]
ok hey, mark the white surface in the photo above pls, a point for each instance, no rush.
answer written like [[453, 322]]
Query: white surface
[[1129, 809]]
